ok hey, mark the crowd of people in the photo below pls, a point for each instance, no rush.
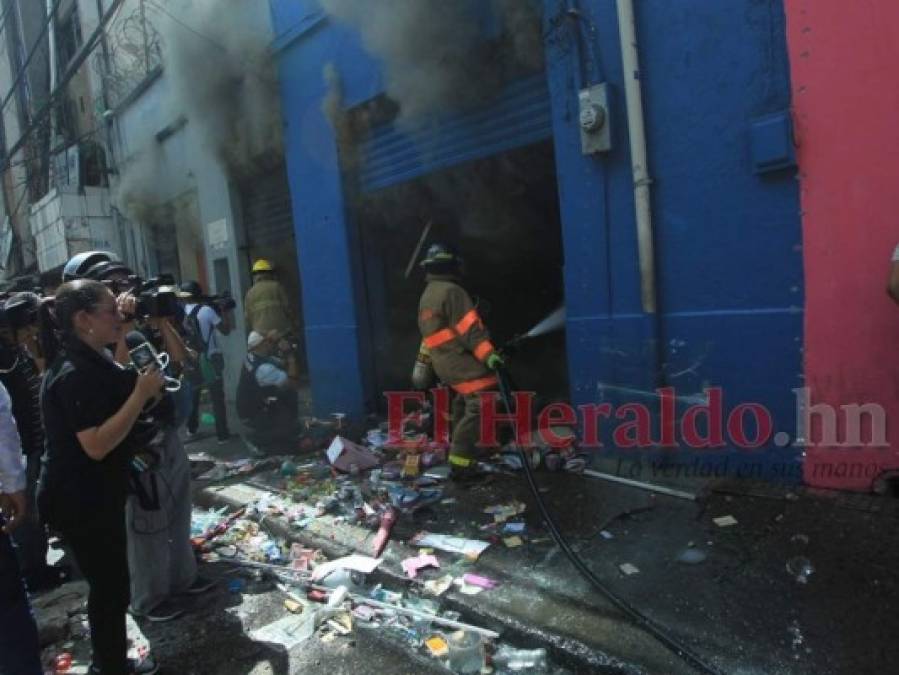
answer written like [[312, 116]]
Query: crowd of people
[[100, 387]]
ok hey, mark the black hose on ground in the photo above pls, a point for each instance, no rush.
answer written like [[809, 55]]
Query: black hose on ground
[[640, 619]]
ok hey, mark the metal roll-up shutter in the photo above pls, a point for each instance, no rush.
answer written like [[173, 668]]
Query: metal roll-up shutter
[[267, 210], [519, 115]]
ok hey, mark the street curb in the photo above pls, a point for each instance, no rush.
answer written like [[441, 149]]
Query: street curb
[[566, 651]]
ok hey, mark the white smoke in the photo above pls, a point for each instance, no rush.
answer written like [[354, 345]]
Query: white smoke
[[222, 78], [432, 51]]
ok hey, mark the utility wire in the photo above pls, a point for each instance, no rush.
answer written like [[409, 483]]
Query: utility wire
[[6, 10], [37, 43], [72, 70], [259, 66]]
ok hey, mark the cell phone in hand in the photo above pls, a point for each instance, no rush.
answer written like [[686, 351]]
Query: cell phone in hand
[[144, 356]]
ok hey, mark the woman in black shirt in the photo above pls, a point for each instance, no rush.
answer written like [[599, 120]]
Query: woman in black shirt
[[91, 409]]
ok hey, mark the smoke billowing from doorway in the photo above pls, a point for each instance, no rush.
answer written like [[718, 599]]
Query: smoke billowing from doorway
[[224, 79], [433, 51], [221, 77]]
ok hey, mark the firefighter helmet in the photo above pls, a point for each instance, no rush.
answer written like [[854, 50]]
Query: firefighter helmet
[[441, 254], [262, 265]]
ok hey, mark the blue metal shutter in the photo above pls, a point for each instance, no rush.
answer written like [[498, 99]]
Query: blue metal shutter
[[519, 115]]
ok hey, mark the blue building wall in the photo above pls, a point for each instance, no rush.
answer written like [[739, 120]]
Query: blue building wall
[[728, 240]]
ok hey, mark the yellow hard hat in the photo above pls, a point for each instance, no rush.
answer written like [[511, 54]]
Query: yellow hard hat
[[262, 265]]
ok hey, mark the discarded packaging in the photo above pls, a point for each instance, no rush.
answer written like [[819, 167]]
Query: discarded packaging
[[411, 566], [437, 646], [439, 473], [576, 465], [288, 631], [365, 613], [342, 454], [509, 658], [438, 587], [467, 589], [629, 569], [376, 438], [724, 521], [412, 466], [342, 624], [470, 548], [338, 596], [293, 606], [479, 581], [434, 618], [466, 652], [513, 542], [353, 563], [502, 512]]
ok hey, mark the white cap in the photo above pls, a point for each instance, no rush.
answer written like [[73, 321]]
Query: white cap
[[255, 340]]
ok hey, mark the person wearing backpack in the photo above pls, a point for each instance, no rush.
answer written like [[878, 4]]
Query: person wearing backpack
[[202, 326], [267, 391]]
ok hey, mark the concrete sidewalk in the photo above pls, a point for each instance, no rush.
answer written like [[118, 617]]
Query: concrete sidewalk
[[739, 609]]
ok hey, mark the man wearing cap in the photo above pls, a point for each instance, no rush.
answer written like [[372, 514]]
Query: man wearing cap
[[267, 390], [267, 306]]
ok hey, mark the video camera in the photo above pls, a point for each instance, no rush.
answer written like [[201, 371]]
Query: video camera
[[156, 297], [221, 303]]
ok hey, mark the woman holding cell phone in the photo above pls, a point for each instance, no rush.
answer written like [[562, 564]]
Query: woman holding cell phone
[[92, 409]]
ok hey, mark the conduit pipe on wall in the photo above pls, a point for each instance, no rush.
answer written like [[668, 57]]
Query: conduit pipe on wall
[[633, 91]]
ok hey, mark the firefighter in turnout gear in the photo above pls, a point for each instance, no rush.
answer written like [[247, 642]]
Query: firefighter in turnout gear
[[461, 352]]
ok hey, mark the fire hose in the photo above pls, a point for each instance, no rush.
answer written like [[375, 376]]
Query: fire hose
[[639, 619]]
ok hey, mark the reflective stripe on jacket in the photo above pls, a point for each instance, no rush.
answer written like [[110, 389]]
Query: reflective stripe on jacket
[[453, 331]]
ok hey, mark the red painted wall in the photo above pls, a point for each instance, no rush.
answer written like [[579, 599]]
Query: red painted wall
[[845, 77]]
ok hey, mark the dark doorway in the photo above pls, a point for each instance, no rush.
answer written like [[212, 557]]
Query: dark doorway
[[502, 212]]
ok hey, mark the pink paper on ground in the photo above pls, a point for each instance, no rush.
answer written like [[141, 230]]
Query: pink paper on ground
[[411, 566], [479, 581]]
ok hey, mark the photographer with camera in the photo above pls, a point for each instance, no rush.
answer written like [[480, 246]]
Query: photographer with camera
[[93, 411], [205, 318], [267, 391], [158, 512], [20, 372]]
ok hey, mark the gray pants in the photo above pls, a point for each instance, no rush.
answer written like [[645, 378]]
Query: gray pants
[[161, 560]]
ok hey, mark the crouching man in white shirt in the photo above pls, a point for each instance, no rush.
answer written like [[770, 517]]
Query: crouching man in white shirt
[[267, 399]]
